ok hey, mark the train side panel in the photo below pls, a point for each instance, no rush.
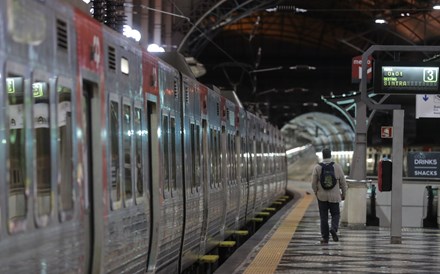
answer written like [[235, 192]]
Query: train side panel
[[215, 188], [170, 223], [229, 165], [43, 224], [242, 165], [252, 135], [193, 190], [127, 226]]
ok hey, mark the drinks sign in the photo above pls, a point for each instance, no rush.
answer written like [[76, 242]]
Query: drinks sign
[[423, 164]]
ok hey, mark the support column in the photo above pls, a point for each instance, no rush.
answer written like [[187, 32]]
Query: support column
[[396, 191], [354, 213]]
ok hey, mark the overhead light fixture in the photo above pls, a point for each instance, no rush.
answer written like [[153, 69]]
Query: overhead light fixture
[[302, 67], [296, 89], [436, 7], [155, 48], [380, 21], [131, 33]]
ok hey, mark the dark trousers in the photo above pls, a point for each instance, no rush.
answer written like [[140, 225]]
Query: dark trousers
[[324, 208]]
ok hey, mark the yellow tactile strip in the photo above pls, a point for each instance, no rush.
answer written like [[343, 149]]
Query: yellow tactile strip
[[270, 255]]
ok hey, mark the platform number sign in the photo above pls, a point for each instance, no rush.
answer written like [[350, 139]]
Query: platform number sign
[[430, 75]]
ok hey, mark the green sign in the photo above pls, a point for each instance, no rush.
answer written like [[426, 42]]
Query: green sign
[[14, 85], [406, 79], [39, 89]]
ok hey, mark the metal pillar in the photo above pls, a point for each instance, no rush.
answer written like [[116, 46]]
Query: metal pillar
[[354, 214], [396, 193]]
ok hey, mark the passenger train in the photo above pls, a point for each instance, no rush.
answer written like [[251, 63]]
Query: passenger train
[[111, 159]]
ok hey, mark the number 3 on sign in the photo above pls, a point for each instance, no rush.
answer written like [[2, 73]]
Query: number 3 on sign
[[430, 75]]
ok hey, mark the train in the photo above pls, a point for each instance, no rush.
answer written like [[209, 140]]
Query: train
[[113, 160]]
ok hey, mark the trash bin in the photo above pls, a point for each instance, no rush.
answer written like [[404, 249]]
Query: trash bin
[[372, 219], [430, 201]]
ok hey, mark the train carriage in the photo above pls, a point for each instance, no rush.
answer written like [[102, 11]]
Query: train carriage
[[193, 189], [229, 165], [113, 160], [253, 180], [242, 164], [126, 221], [43, 222], [168, 220]]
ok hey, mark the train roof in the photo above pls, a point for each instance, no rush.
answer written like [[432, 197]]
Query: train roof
[[232, 96], [176, 60]]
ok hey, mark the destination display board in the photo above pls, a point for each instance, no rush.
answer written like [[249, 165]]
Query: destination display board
[[407, 78]]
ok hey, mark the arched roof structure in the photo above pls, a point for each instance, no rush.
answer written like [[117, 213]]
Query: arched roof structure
[[320, 130]]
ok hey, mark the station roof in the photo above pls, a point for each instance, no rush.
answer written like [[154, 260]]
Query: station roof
[[282, 57], [285, 58]]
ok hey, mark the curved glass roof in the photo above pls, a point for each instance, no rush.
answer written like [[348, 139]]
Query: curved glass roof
[[320, 130]]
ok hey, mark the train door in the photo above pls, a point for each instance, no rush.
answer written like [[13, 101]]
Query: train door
[[92, 170], [205, 184], [153, 162]]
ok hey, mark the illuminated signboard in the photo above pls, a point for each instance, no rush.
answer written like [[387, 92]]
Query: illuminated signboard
[[14, 85], [406, 78], [39, 89]]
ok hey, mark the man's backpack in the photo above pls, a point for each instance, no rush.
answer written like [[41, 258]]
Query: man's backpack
[[327, 178]]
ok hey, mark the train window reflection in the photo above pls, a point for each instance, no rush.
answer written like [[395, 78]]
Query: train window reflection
[[173, 153], [65, 147], [212, 161], [114, 147], [40, 91], [197, 158], [193, 157], [218, 158], [165, 132], [138, 151], [127, 137], [17, 201]]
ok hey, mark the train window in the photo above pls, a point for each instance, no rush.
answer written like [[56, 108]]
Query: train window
[[17, 201], [197, 158], [127, 135], [193, 157], [65, 148], [138, 152], [253, 158], [231, 156], [204, 160], [223, 153], [124, 66], [114, 152], [243, 158], [165, 133], [219, 158], [153, 77], [173, 153], [212, 151], [41, 127]]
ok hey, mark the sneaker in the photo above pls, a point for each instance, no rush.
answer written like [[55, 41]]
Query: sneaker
[[324, 241], [334, 235]]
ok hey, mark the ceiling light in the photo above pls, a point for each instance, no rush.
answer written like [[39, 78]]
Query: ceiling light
[[436, 7], [155, 48], [302, 67], [131, 33], [380, 21]]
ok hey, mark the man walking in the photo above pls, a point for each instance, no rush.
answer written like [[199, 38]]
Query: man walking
[[328, 183]]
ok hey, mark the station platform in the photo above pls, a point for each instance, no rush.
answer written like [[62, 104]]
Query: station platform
[[289, 243]]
